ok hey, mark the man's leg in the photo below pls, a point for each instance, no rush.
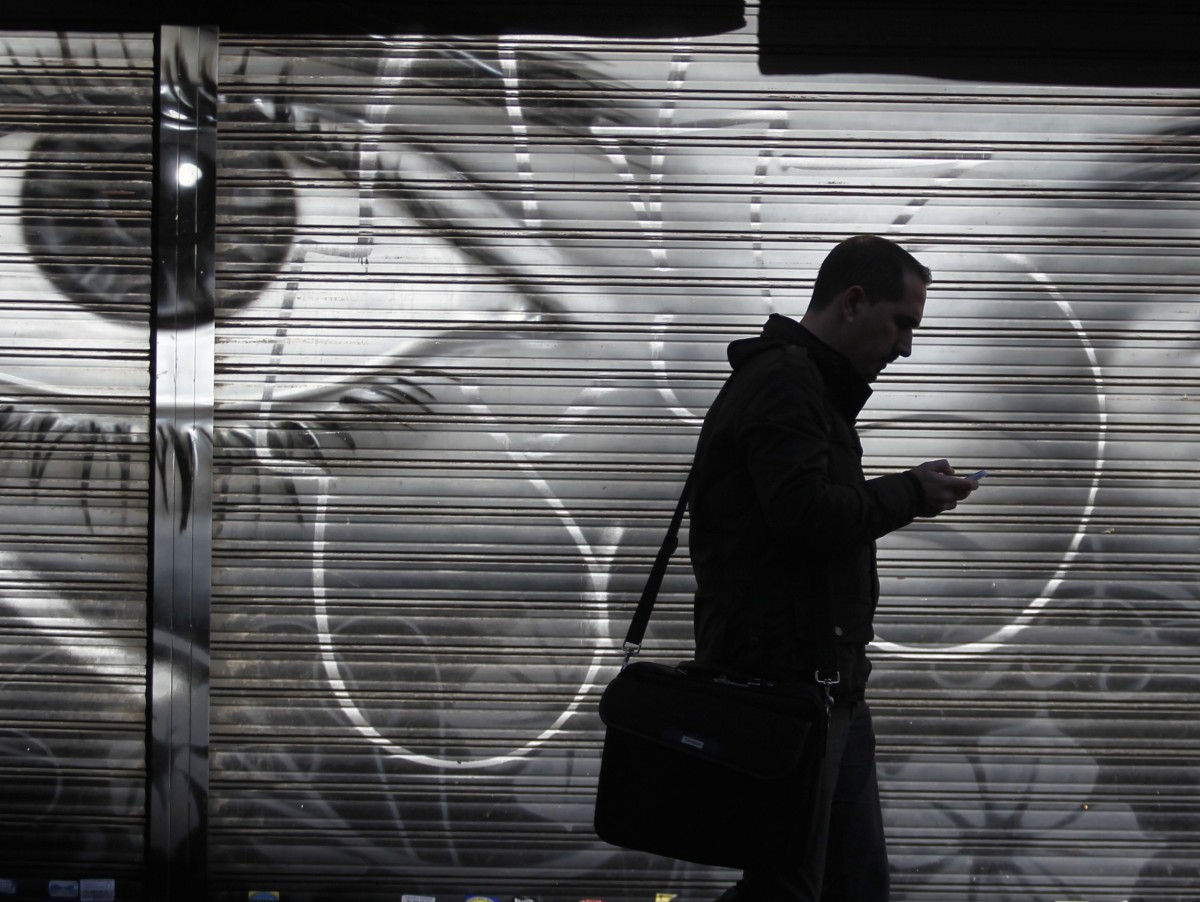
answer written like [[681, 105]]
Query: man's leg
[[802, 883], [856, 864]]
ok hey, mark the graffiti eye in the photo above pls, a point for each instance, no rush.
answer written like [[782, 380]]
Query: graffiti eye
[[86, 222], [257, 224]]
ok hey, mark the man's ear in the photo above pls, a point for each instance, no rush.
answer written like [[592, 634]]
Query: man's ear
[[850, 301]]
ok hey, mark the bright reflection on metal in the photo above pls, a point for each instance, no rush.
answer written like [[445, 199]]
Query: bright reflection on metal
[[187, 175]]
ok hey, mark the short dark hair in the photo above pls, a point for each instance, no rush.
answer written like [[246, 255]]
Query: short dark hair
[[876, 264]]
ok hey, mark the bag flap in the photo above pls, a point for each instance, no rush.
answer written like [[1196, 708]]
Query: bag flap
[[758, 730]]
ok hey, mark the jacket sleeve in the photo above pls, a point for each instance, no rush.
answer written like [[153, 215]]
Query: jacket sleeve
[[807, 474]]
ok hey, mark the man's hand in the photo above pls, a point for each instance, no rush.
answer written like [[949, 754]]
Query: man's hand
[[942, 490]]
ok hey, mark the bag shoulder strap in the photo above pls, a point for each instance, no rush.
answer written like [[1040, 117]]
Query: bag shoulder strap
[[641, 617], [828, 675]]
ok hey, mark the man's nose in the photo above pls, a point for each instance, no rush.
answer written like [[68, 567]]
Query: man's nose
[[904, 346]]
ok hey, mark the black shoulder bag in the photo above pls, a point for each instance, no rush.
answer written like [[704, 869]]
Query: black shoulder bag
[[705, 765]]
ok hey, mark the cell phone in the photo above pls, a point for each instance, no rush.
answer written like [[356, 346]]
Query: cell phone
[[978, 474]]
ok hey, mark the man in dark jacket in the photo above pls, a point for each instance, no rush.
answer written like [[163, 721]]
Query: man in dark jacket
[[783, 529]]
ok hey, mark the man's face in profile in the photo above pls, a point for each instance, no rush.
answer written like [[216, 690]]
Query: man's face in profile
[[880, 332]]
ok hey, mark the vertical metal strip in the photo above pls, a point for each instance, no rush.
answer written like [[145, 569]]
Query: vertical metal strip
[[185, 225]]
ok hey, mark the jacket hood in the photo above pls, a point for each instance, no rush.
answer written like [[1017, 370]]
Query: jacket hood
[[777, 332], [847, 388]]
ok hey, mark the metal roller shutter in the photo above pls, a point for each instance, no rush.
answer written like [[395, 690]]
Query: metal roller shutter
[[473, 297], [75, 189]]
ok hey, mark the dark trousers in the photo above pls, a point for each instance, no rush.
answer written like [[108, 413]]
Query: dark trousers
[[849, 861]]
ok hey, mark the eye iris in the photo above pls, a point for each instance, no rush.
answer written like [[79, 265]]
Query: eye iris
[[256, 223], [86, 209], [85, 215]]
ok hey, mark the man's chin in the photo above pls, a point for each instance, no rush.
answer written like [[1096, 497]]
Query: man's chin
[[882, 366]]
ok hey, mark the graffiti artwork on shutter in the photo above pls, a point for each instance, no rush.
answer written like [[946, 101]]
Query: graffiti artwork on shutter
[[473, 297]]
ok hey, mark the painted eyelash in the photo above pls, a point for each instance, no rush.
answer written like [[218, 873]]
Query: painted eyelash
[[53, 431]]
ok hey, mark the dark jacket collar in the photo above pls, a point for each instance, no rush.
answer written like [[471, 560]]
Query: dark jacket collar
[[847, 389]]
